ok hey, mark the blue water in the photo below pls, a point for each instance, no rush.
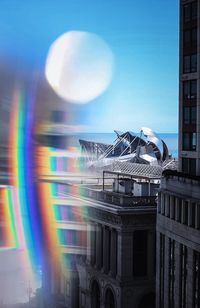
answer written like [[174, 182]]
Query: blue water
[[171, 139]]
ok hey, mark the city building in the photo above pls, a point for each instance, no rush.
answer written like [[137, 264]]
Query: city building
[[189, 85], [178, 241], [178, 214], [119, 270]]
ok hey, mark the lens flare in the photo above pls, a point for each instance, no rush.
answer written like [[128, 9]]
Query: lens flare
[[79, 66]]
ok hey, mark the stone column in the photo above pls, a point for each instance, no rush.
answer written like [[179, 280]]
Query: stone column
[[162, 203], [166, 281], [93, 245], [106, 249], [158, 270], [172, 207], [113, 253], [159, 203], [89, 244], [177, 209], [197, 216], [177, 284], [190, 213], [167, 205], [190, 278], [99, 246]]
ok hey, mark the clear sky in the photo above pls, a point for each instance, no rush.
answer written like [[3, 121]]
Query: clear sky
[[143, 36]]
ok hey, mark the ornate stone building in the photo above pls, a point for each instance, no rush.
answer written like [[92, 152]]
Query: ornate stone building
[[178, 242], [119, 270]]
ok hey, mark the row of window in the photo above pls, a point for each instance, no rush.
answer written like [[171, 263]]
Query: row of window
[[72, 237], [196, 281], [68, 213], [103, 258], [184, 285], [189, 141], [103, 239], [190, 63], [180, 210], [190, 12]]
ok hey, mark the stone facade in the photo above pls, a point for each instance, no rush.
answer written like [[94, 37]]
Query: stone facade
[[178, 242], [110, 276]]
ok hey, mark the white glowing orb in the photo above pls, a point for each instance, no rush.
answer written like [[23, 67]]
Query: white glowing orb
[[79, 66]]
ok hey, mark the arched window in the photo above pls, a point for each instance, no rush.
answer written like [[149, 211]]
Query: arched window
[[109, 299], [95, 295]]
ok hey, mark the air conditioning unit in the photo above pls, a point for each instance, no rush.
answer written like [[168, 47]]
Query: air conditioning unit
[[123, 186]]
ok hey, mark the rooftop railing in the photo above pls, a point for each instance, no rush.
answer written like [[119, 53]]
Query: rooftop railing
[[119, 198]]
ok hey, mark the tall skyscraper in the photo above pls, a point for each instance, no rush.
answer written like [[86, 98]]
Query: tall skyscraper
[[178, 217], [189, 85]]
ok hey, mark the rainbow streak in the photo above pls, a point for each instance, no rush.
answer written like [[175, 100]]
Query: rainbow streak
[[51, 213], [21, 168], [45, 193], [10, 239]]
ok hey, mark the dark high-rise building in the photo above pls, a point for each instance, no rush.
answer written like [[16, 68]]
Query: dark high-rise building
[[178, 217], [189, 83]]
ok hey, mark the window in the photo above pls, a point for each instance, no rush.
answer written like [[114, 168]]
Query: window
[[194, 141], [189, 115], [186, 141], [186, 12], [190, 64], [189, 165], [193, 115], [193, 10], [193, 89], [190, 12], [190, 89], [67, 213], [190, 38], [186, 115], [192, 166], [193, 37], [186, 38], [193, 64], [140, 253], [186, 64], [71, 237], [189, 141], [186, 89]]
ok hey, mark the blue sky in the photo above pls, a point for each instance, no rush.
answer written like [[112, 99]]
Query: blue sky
[[143, 36]]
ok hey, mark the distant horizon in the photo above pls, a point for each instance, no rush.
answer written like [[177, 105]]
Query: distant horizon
[[111, 132]]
